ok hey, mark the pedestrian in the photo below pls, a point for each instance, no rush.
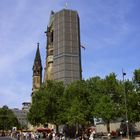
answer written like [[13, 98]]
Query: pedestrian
[[50, 136], [46, 136], [91, 136], [18, 136]]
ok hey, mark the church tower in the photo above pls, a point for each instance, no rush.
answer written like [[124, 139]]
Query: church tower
[[63, 51], [48, 75], [37, 71]]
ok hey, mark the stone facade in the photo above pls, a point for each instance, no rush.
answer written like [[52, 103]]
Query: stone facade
[[21, 116], [63, 60], [63, 51]]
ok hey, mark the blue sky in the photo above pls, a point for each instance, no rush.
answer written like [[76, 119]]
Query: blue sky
[[110, 31]]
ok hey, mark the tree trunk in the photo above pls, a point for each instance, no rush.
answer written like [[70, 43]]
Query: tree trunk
[[77, 129], [57, 130], [108, 126]]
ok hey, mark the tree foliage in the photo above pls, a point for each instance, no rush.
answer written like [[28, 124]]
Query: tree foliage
[[80, 101], [76, 103], [132, 90], [7, 119], [106, 109], [137, 78], [46, 104]]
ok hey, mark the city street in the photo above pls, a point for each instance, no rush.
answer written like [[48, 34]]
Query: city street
[[5, 138]]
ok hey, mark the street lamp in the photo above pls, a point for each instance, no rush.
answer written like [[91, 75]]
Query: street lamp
[[125, 102]]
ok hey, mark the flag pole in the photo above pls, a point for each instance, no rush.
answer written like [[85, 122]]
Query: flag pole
[[125, 101]]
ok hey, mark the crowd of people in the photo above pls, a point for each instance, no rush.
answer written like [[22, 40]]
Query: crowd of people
[[37, 136], [87, 135]]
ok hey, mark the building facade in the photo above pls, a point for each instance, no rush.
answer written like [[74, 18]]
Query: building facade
[[63, 51], [22, 114], [26, 106], [63, 60]]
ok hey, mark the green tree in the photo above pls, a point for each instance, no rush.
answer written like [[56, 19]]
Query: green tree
[[53, 102], [132, 91], [79, 101], [76, 108], [115, 90], [7, 119], [76, 103], [136, 78], [113, 87], [105, 109], [95, 89], [36, 115], [130, 103], [133, 107], [46, 104], [107, 94]]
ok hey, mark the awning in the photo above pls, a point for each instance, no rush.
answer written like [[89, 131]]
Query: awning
[[48, 130]]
